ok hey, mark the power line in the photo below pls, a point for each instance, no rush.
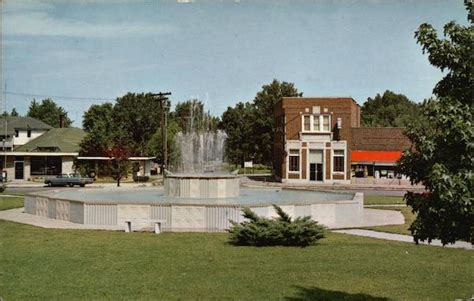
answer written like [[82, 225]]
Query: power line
[[69, 98]]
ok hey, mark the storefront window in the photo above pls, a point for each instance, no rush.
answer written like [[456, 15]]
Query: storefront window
[[44, 166]]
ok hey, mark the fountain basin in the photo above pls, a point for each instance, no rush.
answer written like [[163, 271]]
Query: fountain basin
[[141, 207], [214, 186]]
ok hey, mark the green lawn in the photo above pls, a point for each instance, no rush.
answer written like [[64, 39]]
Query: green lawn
[[49, 264], [398, 229], [382, 200], [9, 202]]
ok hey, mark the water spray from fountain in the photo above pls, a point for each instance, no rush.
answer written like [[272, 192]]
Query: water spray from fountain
[[200, 145]]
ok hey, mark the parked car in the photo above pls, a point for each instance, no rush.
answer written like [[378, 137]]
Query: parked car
[[68, 180]]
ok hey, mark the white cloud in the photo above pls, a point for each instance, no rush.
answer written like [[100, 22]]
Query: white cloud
[[37, 23], [25, 5]]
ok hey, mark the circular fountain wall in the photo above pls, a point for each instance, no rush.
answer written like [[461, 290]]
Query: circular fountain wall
[[202, 186]]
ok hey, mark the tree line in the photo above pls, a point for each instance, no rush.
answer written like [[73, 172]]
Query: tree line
[[133, 122]]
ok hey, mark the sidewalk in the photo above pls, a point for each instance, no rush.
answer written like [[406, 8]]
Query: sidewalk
[[403, 238]]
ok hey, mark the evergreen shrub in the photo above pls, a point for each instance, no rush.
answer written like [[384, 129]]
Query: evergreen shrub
[[281, 231]]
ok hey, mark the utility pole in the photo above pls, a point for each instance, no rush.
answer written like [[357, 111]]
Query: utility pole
[[162, 99], [6, 133]]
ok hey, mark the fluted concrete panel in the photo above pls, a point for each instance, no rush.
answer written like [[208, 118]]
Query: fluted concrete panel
[[100, 214], [218, 217], [62, 210], [42, 206], [162, 213]]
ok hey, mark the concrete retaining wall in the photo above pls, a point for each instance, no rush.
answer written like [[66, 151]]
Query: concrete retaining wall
[[202, 218]]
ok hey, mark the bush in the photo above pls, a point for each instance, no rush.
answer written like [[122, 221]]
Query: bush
[[2, 188], [282, 231], [141, 178]]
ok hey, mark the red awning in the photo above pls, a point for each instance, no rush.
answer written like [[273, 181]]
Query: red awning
[[375, 156]]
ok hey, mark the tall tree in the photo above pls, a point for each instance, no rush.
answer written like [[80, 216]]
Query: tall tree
[[264, 124], [442, 153], [136, 117], [250, 126], [389, 110], [238, 123], [98, 123], [48, 112], [155, 144]]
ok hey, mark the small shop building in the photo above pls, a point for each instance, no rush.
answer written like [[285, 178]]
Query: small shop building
[[33, 149], [319, 140]]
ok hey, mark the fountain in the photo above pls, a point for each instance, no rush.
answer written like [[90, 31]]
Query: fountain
[[199, 194], [200, 170]]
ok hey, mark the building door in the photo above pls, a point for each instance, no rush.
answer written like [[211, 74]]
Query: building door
[[19, 170], [316, 165], [316, 172]]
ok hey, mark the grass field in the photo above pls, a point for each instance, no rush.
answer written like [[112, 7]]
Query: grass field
[[382, 200], [49, 264], [7, 201]]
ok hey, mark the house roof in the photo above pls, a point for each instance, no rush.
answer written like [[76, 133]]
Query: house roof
[[379, 139], [321, 98], [22, 123], [56, 139]]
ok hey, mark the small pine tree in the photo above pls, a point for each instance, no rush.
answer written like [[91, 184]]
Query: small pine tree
[[282, 231]]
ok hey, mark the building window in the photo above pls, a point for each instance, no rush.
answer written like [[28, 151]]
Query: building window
[[294, 161], [338, 161], [45, 166], [326, 127], [316, 123], [307, 123], [28, 133]]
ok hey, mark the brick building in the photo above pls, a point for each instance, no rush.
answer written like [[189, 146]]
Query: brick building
[[319, 139]]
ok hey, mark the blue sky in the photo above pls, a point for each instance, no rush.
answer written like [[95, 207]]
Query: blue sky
[[219, 51]]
